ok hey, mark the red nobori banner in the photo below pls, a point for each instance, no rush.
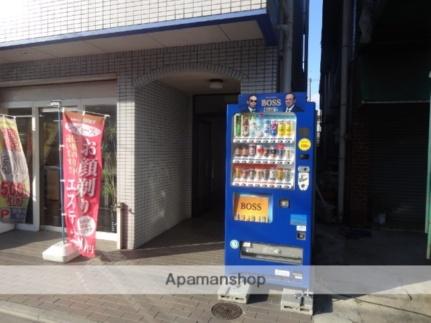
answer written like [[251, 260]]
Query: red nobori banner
[[82, 173], [14, 178]]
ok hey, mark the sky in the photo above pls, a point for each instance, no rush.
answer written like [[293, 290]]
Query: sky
[[314, 49]]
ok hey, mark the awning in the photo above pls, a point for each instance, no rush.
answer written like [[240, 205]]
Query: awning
[[244, 25]]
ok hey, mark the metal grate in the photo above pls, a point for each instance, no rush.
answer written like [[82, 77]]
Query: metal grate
[[226, 311]]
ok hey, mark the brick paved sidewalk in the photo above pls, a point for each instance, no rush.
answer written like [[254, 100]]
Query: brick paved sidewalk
[[184, 245]]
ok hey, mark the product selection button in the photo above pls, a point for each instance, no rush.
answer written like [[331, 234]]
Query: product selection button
[[284, 203]]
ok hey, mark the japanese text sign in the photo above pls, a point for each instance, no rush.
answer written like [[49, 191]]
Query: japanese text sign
[[14, 178], [82, 173]]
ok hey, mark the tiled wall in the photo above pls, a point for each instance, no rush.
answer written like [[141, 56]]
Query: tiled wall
[[163, 160], [28, 19], [249, 61]]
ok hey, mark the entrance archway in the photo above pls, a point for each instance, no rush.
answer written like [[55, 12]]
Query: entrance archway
[[179, 144]]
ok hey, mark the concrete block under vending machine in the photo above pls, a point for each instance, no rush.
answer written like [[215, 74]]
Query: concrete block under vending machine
[[296, 301], [52, 183], [237, 294]]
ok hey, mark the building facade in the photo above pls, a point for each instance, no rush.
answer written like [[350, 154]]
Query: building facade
[[145, 63]]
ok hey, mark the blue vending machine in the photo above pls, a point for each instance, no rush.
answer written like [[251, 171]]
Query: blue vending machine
[[270, 185]]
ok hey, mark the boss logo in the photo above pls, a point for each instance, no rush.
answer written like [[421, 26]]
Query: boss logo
[[271, 102], [251, 206]]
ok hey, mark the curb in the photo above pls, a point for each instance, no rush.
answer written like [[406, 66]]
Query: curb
[[40, 315]]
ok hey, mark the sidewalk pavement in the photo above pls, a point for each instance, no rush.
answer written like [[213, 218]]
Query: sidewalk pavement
[[25, 248], [6, 318], [178, 247]]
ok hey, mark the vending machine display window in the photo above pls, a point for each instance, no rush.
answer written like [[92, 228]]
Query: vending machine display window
[[252, 208], [263, 150]]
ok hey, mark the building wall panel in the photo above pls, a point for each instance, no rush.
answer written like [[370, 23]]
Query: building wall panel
[[30, 19], [163, 159], [251, 62]]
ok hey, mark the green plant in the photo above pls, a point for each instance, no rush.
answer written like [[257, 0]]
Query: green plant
[[109, 174]]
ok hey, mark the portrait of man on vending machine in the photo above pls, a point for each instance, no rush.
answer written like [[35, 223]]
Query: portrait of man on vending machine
[[252, 103], [290, 101]]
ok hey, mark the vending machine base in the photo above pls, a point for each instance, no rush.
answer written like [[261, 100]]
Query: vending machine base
[[296, 301], [237, 294]]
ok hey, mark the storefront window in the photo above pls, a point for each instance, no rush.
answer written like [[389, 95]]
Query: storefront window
[[107, 221], [23, 122]]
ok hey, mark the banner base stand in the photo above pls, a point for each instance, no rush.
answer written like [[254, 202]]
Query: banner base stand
[[60, 252]]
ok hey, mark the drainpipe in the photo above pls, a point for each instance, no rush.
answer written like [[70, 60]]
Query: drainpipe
[[345, 57], [305, 37], [287, 31]]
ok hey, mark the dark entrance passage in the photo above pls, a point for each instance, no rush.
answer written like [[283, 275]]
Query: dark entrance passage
[[209, 154]]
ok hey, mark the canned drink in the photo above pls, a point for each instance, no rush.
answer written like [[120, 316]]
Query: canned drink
[[252, 126], [237, 151], [272, 174], [256, 175], [251, 174], [238, 125], [265, 151], [280, 151], [274, 127], [260, 175], [245, 127], [287, 153], [288, 130], [242, 174], [280, 174], [237, 173], [281, 128], [272, 152], [244, 151], [260, 131], [287, 177], [267, 128], [266, 174], [252, 150], [259, 150]]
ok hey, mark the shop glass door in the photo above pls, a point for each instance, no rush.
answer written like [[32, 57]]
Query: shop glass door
[[49, 168]]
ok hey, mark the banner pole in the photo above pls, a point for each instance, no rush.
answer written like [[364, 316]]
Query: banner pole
[[84, 112], [7, 116], [60, 159], [63, 251]]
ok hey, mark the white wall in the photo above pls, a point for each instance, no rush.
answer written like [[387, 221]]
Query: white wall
[[28, 19], [163, 159]]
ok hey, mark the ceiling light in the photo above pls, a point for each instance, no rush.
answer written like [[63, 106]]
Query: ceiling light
[[216, 84]]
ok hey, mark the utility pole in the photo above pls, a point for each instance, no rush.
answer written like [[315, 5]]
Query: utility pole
[[309, 89]]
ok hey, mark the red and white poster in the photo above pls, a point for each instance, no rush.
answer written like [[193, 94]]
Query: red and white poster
[[14, 178], [82, 173]]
